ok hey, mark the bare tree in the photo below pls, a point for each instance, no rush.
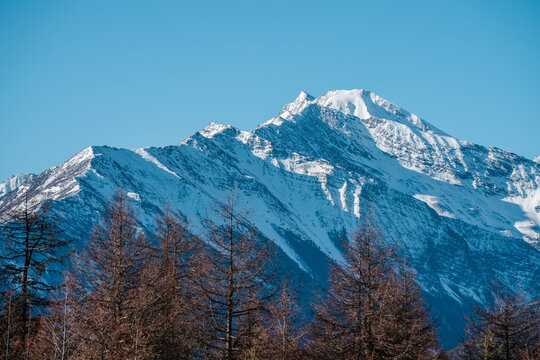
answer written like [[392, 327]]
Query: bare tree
[[283, 331], [508, 328], [57, 336], [30, 248], [237, 280], [6, 326], [107, 284], [176, 308], [371, 311], [344, 320], [408, 331]]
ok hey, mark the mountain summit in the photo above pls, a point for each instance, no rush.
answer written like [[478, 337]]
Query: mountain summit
[[464, 214]]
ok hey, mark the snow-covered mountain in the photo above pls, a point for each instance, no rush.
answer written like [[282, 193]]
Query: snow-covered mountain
[[14, 182], [465, 214]]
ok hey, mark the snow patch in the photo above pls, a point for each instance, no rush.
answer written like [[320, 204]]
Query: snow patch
[[303, 165], [134, 196], [350, 102], [433, 202], [356, 195], [323, 181], [96, 173], [343, 197], [529, 202], [527, 228], [261, 148], [145, 155], [446, 286]]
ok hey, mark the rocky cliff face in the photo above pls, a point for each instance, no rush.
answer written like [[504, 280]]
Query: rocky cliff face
[[463, 213]]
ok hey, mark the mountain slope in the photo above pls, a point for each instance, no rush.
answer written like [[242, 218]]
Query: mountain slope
[[464, 214], [14, 182]]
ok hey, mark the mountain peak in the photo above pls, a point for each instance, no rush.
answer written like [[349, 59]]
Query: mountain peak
[[365, 104], [304, 96], [213, 129], [302, 100], [361, 103]]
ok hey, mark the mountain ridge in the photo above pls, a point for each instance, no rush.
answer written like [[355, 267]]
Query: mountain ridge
[[14, 182], [464, 214]]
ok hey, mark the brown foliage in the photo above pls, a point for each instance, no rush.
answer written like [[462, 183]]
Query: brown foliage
[[177, 298], [30, 246], [107, 286], [236, 282], [408, 332], [58, 336], [175, 311], [371, 311], [509, 328], [282, 334]]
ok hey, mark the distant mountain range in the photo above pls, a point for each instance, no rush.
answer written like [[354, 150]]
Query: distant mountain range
[[464, 214]]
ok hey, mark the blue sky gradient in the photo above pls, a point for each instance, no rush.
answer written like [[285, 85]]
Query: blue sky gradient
[[140, 73]]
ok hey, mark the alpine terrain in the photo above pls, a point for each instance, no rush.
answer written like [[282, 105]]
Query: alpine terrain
[[464, 214]]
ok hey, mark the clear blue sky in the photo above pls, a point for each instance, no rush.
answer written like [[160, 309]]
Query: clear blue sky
[[140, 73]]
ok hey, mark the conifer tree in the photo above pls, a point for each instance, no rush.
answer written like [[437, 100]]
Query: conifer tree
[[508, 328], [371, 310], [107, 284], [408, 332], [283, 330], [176, 307], [236, 281], [57, 336], [31, 246], [344, 324]]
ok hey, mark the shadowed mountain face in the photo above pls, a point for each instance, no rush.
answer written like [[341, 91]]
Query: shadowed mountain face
[[464, 214]]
